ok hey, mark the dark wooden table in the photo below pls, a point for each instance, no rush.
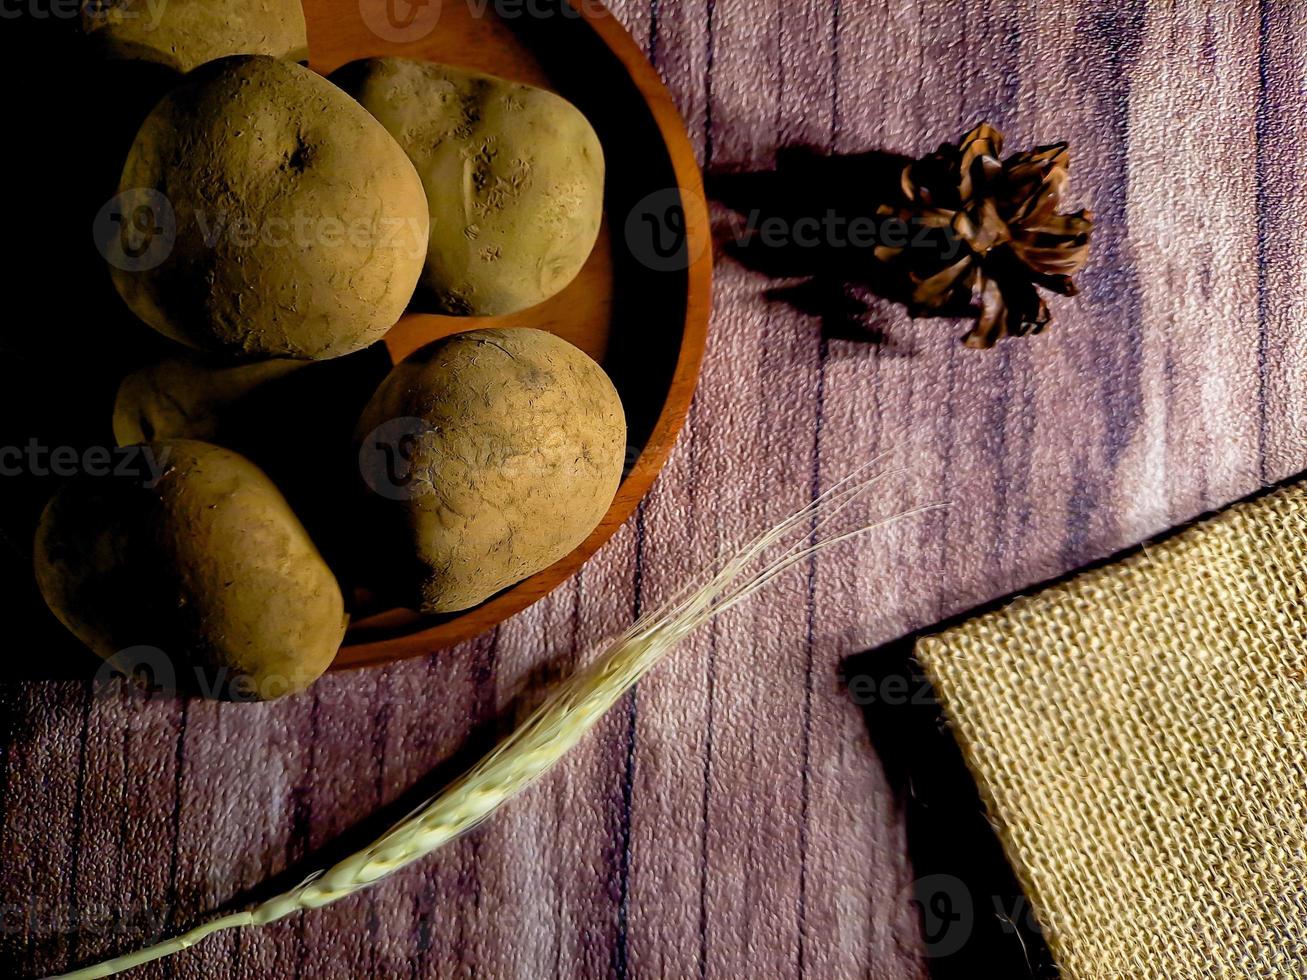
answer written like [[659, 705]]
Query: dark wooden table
[[732, 817]]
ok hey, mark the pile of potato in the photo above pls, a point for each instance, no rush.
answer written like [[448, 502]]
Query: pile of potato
[[302, 216]]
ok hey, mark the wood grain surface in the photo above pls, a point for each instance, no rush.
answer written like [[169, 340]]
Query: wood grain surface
[[732, 818]]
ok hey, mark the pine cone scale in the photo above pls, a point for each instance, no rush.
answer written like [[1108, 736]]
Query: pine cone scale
[[1002, 215]]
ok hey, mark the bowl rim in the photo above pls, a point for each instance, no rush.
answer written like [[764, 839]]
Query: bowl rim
[[680, 392]]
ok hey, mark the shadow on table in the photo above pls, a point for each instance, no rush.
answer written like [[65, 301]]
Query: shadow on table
[[975, 920], [809, 219]]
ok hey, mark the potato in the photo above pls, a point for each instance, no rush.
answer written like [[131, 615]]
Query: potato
[[494, 453], [208, 565], [268, 214], [188, 396], [514, 177], [292, 419], [184, 34]]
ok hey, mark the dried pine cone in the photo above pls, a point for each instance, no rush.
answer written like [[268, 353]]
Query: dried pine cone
[[1003, 234]]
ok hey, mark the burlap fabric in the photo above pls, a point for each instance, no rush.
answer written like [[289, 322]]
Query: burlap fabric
[[1139, 736]]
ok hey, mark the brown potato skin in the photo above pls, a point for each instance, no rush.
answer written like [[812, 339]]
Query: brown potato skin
[[519, 451], [514, 177], [210, 566], [300, 225], [184, 34]]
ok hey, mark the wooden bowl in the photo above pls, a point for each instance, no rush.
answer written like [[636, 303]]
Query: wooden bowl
[[640, 306]]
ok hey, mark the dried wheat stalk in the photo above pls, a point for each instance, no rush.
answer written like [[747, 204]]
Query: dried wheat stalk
[[548, 734]]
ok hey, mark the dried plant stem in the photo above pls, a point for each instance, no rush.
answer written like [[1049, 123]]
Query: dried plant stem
[[546, 736]]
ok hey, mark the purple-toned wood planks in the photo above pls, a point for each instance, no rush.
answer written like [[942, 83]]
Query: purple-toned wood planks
[[731, 818]]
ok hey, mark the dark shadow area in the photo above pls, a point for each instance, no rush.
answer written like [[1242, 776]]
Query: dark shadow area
[[815, 218], [297, 426], [67, 337], [975, 920]]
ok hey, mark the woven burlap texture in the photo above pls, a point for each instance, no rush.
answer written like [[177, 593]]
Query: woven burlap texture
[[1139, 736]]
